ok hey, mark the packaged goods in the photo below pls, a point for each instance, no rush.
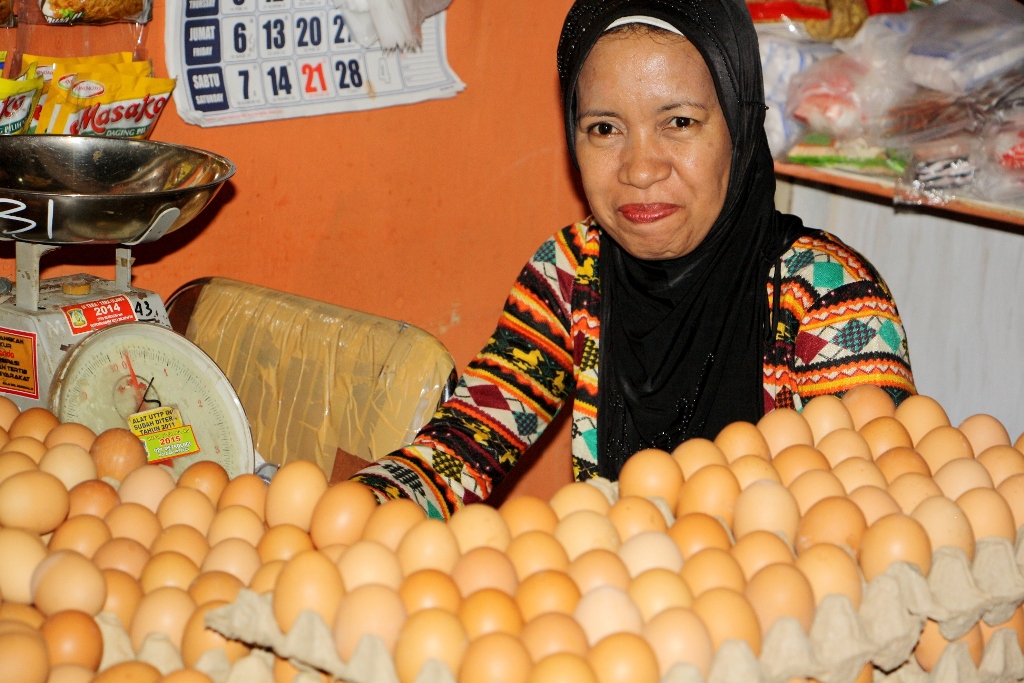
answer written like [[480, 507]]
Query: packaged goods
[[18, 102], [96, 11], [45, 67], [788, 10], [115, 106], [54, 111]]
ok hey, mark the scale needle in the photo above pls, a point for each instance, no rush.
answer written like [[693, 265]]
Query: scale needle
[[134, 380]]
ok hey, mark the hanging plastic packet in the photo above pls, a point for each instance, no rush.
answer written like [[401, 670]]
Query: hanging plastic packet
[[3, 61], [114, 105], [46, 65], [17, 103], [64, 76], [96, 11]]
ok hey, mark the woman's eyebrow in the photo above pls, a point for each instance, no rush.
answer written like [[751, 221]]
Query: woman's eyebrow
[[596, 112], [684, 103]]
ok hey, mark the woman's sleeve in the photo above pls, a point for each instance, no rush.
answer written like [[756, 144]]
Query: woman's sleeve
[[508, 395]]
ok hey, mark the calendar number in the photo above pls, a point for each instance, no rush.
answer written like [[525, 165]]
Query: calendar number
[[274, 30], [315, 81], [280, 82], [310, 31], [241, 38], [349, 74]]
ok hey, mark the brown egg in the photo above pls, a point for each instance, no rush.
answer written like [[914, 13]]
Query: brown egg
[[712, 490], [33, 422], [92, 498], [931, 645], [1019, 443], [215, 586], [66, 580], [134, 521], [368, 610], [867, 402], [284, 672], [22, 552], [553, 633], [535, 551], [33, 500], [835, 520], [368, 562], [712, 568], [657, 590], [33, 448], [959, 476], [874, 502], [183, 539], [430, 589], [1014, 623], [943, 444], [900, 460], [146, 486], [633, 515], [651, 473], [842, 445], [198, 639], [186, 676], [234, 556], [727, 614], [946, 524], [649, 550], [188, 506], [1012, 491], [784, 427], [989, 514], [812, 486], [307, 582], [429, 544], [389, 522], [23, 657], [677, 635], [479, 526], [696, 531], [831, 570], [908, 490], [742, 438], [26, 614], [885, 433], [168, 569], [293, 494], [694, 454], [920, 415], [117, 453], [248, 490], [341, 514], [767, 506], [207, 477], [984, 431], [83, 534], [1002, 462], [9, 411], [282, 542], [607, 610], [563, 667], [265, 577], [124, 554], [136, 672], [528, 513], [165, 610], [123, 595], [894, 538], [598, 568], [780, 590], [578, 496], [547, 591], [73, 637], [12, 463], [751, 468], [70, 673], [624, 658], [854, 473], [585, 530], [495, 657], [824, 415], [70, 432], [484, 568], [430, 634], [70, 463], [759, 549], [795, 460]]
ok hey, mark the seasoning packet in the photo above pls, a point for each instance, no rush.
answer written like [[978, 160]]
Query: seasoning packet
[[17, 103], [45, 66], [52, 113], [96, 11], [114, 105]]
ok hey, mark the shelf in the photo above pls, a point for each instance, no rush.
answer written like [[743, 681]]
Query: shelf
[[884, 187]]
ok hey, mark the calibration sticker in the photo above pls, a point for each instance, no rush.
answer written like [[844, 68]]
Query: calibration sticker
[[93, 315], [18, 370], [163, 434]]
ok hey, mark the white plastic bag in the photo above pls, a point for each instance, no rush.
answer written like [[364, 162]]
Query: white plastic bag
[[395, 24]]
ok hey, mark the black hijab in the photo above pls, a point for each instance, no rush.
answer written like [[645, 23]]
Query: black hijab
[[683, 340]]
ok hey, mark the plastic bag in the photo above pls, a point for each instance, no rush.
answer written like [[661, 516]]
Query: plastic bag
[[393, 23], [17, 103], [787, 10], [857, 155]]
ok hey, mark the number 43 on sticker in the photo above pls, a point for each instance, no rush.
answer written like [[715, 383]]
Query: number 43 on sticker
[[315, 78]]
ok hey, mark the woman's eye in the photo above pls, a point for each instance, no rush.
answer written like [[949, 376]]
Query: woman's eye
[[602, 129], [682, 122]]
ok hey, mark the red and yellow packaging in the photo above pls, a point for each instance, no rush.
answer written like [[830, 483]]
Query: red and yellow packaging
[[18, 102], [114, 105], [45, 67], [53, 113]]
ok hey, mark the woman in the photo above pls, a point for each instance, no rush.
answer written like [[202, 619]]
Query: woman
[[659, 312]]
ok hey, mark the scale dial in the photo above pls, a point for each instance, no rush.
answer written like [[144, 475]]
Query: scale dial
[[129, 368]]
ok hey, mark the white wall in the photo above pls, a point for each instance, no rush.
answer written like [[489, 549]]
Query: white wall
[[960, 292]]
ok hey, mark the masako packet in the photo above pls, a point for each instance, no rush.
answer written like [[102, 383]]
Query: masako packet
[[52, 112], [116, 105], [17, 103], [45, 67]]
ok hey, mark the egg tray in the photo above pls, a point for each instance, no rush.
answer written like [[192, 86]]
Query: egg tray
[[956, 594]]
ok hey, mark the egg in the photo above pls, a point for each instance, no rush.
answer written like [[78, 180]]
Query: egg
[[780, 590], [368, 562], [12, 463], [307, 582], [815, 485], [495, 657], [535, 551], [598, 568], [867, 402], [70, 673], [942, 445], [651, 473], [1001, 462], [70, 463], [124, 554], [123, 595], [248, 490], [334, 552], [946, 524], [93, 497], [920, 415], [751, 468], [23, 657], [33, 500], [265, 577], [528, 513], [835, 520], [1014, 623], [429, 589], [757, 550], [563, 667], [117, 452], [632, 515], [187, 506], [66, 580], [70, 432], [165, 610], [547, 591], [844, 444], [83, 534], [186, 676], [282, 542], [585, 530], [136, 672], [215, 586], [784, 427], [72, 637], [727, 614], [479, 526], [340, 515], [484, 568], [606, 610], [134, 521], [429, 544], [958, 476], [553, 633], [579, 496], [874, 502], [234, 556], [33, 422], [791, 462], [183, 539], [712, 490], [712, 568], [854, 473], [1012, 490], [168, 568], [767, 506], [33, 448], [293, 494], [207, 477], [830, 570], [895, 538], [984, 431], [26, 614], [932, 644], [693, 454], [624, 658], [989, 514], [909, 489], [285, 672], [825, 414], [696, 531], [677, 635], [742, 438], [900, 460], [429, 634], [197, 639], [885, 433], [146, 486], [389, 522], [650, 550], [9, 411], [657, 590]]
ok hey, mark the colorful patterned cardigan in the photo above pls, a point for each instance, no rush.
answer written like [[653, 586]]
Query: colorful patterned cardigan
[[839, 328]]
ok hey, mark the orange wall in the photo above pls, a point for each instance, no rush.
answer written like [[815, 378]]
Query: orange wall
[[423, 213]]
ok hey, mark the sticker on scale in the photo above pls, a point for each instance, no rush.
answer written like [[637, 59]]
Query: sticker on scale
[[93, 315], [18, 371], [163, 434]]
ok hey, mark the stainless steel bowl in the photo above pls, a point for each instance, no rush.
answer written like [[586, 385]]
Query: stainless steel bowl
[[60, 189]]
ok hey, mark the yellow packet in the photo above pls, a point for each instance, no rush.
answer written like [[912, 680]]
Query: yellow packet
[[3, 61], [53, 115], [120, 107], [45, 66], [17, 102]]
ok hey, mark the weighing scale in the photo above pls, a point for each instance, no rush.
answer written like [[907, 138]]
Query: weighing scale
[[101, 352]]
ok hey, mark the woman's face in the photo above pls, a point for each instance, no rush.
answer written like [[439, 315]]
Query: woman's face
[[652, 142]]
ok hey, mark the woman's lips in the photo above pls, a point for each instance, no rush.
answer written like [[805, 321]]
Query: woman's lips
[[647, 213]]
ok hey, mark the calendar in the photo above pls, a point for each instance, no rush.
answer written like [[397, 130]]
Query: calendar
[[239, 61]]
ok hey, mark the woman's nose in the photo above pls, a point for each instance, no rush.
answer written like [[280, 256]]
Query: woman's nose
[[644, 162]]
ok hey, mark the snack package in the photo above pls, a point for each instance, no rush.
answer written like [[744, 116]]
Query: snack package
[[817, 149], [96, 11], [3, 61], [114, 105], [17, 103], [52, 115], [44, 66], [787, 10]]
